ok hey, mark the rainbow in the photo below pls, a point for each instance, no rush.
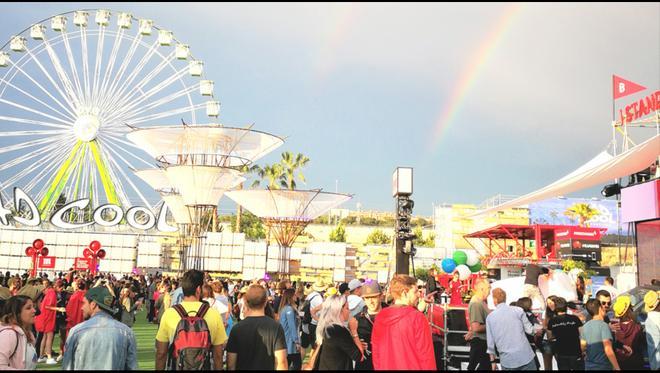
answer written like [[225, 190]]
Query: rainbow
[[471, 73]]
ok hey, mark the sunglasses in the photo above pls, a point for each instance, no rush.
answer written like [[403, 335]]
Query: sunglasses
[[603, 303]]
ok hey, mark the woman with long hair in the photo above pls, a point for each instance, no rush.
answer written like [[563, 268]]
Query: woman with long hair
[[164, 300], [338, 348], [45, 321], [128, 305], [546, 345], [208, 297], [288, 315], [17, 349]]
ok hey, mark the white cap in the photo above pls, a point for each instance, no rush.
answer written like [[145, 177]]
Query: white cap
[[354, 284]]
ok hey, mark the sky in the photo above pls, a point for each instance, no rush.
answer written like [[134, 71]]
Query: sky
[[480, 99]]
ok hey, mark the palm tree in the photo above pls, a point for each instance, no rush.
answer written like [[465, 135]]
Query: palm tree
[[290, 165], [247, 170], [583, 212]]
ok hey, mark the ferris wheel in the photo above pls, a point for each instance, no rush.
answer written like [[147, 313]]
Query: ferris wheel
[[72, 86]]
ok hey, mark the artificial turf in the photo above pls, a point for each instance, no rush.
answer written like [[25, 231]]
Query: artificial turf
[[145, 335]]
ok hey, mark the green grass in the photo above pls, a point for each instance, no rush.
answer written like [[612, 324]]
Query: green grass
[[145, 335]]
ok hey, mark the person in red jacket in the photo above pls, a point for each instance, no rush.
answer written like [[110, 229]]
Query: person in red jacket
[[401, 337], [74, 314]]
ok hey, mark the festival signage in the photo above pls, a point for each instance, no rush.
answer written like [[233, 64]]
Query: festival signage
[[579, 243], [81, 264], [552, 212], [57, 217], [641, 108], [638, 109], [47, 262]]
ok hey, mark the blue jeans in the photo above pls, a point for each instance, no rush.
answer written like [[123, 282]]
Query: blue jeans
[[529, 366]]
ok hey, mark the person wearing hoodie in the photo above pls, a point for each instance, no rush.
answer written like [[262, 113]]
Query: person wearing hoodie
[[630, 334], [401, 336], [74, 314]]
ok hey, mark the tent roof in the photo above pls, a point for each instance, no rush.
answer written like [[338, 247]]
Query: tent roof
[[239, 146], [600, 170], [286, 204]]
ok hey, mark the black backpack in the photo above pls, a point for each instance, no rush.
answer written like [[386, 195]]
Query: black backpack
[[307, 312]]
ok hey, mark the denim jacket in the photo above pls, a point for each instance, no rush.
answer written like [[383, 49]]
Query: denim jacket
[[288, 322], [100, 343]]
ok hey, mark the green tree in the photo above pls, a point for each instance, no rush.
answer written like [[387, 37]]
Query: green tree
[[583, 212], [378, 237], [251, 225], [419, 239], [290, 164], [247, 170], [338, 234]]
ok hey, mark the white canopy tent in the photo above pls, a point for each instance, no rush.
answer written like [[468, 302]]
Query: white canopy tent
[[205, 144], [600, 170], [286, 204]]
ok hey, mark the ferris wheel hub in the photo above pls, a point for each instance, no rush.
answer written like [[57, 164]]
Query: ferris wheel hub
[[86, 127]]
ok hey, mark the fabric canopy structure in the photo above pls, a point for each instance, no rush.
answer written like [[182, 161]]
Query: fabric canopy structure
[[600, 170], [284, 204], [205, 144]]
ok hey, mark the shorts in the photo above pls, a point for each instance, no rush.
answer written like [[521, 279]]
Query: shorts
[[546, 347]]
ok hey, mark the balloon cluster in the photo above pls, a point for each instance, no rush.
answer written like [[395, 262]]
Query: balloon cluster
[[465, 263], [94, 252], [34, 251], [37, 248]]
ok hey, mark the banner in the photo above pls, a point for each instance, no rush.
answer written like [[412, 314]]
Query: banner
[[553, 211], [47, 262], [81, 264]]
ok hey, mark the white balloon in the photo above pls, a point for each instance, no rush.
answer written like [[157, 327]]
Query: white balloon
[[463, 272], [472, 257]]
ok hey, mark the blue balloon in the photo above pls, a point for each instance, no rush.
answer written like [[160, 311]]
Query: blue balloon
[[448, 265]]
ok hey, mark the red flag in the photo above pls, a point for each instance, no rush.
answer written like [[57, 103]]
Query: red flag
[[622, 87]]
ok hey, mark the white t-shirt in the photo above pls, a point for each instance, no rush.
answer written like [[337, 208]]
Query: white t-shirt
[[218, 306], [315, 299]]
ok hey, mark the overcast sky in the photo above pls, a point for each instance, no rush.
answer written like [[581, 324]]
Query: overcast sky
[[523, 93]]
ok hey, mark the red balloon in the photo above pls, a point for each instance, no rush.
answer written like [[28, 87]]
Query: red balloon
[[38, 243], [44, 251], [87, 253], [95, 246], [100, 254], [29, 251]]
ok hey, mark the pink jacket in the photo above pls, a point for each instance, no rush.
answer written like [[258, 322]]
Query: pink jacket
[[8, 340]]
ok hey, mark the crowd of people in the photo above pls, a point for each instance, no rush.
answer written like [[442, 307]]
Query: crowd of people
[[206, 323]]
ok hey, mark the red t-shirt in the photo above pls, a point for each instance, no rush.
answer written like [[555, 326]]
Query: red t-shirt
[[45, 322]]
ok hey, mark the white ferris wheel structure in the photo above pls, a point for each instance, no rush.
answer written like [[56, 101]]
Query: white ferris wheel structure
[[72, 86]]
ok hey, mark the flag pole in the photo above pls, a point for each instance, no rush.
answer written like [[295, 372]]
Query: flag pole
[[617, 180]]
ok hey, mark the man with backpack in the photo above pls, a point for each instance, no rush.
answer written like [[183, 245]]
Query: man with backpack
[[309, 322], [258, 342], [191, 334]]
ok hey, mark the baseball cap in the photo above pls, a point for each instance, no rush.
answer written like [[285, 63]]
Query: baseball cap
[[370, 288], [651, 300], [354, 284], [343, 287], [621, 305], [102, 297]]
